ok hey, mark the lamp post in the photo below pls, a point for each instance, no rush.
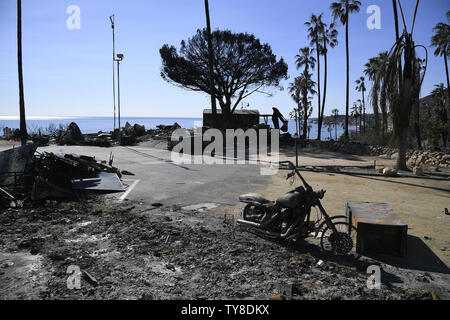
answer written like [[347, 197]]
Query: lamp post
[[111, 18], [119, 59], [210, 61]]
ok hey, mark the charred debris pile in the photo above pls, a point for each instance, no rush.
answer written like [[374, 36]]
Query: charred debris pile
[[29, 175], [72, 135]]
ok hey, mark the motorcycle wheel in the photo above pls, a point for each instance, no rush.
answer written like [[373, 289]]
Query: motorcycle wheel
[[251, 213], [340, 243]]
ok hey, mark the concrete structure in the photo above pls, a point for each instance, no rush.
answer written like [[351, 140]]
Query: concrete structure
[[243, 119]]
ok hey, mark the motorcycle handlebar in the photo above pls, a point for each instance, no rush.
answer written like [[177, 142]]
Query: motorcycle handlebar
[[319, 194]]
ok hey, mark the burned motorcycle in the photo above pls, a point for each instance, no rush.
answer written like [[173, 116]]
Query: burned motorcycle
[[289, 217]]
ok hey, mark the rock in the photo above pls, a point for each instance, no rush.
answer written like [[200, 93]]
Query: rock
[[418, 171], [127, 140], [128, 129], [72, 135], [379, 169], [139, 130], [394, 156], [422, 278], [389, 172]]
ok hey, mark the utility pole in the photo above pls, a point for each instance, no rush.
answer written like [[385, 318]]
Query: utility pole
[[211, 60], [119, 59], [111, 18], [23, 125]]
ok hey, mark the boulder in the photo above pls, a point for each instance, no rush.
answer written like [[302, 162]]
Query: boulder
[[127, 140], [379, 169], [389, 172], [128, 129], [418, 171], [72, 135], [139, 130]]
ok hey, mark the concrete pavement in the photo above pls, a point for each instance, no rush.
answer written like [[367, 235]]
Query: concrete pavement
[[158, 179]]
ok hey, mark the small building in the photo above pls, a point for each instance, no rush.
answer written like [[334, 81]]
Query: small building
[[243, 119]]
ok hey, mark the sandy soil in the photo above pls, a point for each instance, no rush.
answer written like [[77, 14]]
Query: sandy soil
[[418, 202]]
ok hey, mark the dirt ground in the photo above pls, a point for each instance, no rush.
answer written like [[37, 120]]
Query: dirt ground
[[131, 251]]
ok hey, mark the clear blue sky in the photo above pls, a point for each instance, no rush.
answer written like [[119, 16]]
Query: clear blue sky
[[68, 72]]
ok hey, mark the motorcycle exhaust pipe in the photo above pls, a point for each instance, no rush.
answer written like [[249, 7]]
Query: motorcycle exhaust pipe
[[258, 227], [249, 223]]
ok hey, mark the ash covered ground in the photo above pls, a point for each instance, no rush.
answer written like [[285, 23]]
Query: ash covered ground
[[128, 251]]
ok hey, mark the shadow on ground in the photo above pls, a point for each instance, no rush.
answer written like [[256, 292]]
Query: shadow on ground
[[319, 154], [419, 257]]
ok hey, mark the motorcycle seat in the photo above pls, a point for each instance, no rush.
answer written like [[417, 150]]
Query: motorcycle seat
[[253, 197]]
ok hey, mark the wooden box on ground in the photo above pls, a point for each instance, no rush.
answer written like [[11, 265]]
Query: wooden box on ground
[[379, 228]]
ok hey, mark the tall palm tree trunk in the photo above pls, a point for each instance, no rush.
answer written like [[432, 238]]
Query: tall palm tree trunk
[[23, 126], [347, 98], [324, 81], [364, 112], [305, 113], [319, 131], [401, 159], [397, 37], [448, 98]]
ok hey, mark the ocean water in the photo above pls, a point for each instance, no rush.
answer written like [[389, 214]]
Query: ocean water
[[106, 124]]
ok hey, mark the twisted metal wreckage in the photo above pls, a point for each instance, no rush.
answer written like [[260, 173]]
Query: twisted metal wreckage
[[26, 174]]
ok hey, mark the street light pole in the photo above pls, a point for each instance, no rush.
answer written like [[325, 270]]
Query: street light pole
[[210, 60], [111, 18], [119, 59]]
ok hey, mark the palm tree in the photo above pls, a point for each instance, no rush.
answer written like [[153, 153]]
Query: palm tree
[[403, 95], [355, 113], [440, 98], [300, 89], [23, 126], [440, 40], [315, 29], [341, 10], [335, 113], [371, 71], [295, 91], [383, 64], [376, 69], [328, 38], [306, 60], [361, 87]]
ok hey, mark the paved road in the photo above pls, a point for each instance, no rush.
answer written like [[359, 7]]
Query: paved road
[[162, 181]]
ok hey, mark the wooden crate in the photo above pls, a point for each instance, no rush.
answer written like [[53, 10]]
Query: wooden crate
[[379, 229]]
